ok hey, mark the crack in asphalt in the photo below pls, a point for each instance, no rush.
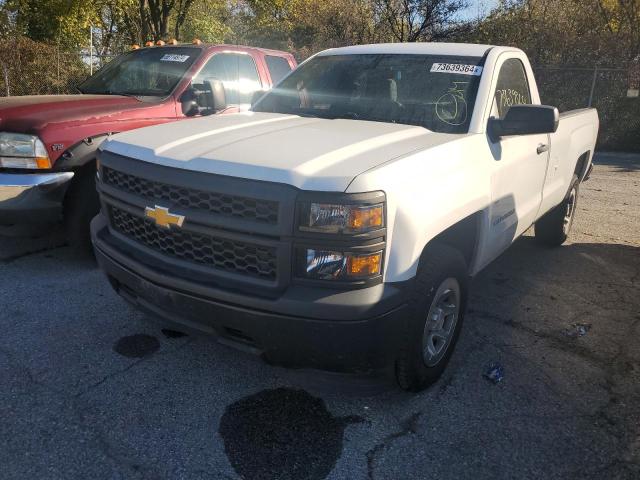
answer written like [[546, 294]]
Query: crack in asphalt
[[70, 400], [100, 439], [409, 426], [133, 364], [613, 367]]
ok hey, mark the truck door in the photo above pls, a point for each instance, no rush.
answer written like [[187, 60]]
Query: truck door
[[239, 74], [519, 164]]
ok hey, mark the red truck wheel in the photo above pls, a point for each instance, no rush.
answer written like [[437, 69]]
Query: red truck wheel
[[80, 206]]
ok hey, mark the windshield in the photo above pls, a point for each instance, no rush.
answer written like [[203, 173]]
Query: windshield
[[151, 72], [431, 91]]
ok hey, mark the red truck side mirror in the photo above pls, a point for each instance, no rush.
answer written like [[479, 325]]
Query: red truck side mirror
[[208, 99], [217, 98]]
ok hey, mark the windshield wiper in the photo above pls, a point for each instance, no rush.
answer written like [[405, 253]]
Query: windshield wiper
[[307, 115], [345, 116], [123, 94]]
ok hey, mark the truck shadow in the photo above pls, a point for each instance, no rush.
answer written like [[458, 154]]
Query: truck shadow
[[523, 313], [623, 162]]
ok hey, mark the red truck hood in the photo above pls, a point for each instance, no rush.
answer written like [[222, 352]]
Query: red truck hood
[[31, 114]]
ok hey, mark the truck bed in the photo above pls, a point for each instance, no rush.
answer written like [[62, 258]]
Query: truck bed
[[571, 150]]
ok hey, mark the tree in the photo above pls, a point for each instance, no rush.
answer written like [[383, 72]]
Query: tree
[[155, 16], [208, 20], [420, 20], [587, 32]]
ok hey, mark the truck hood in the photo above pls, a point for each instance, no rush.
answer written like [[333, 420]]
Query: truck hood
[[30, 114], [308, 153]]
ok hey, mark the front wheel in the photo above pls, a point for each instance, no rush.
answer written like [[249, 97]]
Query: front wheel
[[554, 227], [81, 205], [436, 312]]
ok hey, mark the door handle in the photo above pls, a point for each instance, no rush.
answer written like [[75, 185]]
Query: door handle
[[543, 147]]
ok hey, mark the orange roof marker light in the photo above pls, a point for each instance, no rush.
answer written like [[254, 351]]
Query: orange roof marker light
[[148, 44], [173, 41], [135, 47], [160, 43], [197, 41]]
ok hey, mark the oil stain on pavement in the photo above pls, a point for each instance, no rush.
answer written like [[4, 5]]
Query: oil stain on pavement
[[282, 434], [137, 346]]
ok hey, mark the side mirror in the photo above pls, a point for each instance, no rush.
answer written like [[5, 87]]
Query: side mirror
[[524, 120], [189, 101], [205, 99], [216, 96], [257, 95]]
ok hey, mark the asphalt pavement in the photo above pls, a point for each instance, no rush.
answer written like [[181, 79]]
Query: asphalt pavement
[[90, 389]]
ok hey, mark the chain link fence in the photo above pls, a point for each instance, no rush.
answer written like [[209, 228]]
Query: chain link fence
[[35, 68], [612, 91], [32, 68]]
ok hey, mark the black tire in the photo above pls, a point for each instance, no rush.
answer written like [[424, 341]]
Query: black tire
[[553, 228], [80, 206], [439, 266]]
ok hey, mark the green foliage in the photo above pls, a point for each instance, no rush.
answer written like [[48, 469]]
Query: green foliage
[[208, 20], [45, 42], [36, 68], [569, 32]]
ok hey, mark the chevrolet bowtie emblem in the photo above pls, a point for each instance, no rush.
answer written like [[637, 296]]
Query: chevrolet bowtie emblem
[[163, 218]]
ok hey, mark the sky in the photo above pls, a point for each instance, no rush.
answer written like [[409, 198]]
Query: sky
[[476, 7]]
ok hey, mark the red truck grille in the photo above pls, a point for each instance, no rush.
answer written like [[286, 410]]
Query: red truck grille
[[222, 254], [263, 211]]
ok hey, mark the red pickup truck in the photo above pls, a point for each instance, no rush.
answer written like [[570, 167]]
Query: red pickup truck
[[48, 143]]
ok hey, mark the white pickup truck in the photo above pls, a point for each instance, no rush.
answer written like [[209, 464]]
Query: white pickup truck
[[337, 223]]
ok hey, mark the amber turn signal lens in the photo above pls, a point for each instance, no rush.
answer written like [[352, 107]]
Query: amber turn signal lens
[[366, 218], [364, 265], [43, 162]]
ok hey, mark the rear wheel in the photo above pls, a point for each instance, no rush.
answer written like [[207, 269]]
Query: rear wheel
[[81, 205], [436, 314], [554, 227]]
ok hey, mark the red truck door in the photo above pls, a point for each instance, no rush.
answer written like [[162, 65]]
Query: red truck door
[[239, 73], [243, 72]]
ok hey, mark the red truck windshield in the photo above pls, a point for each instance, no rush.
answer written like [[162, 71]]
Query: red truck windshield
[[153, 72], [432, 91]]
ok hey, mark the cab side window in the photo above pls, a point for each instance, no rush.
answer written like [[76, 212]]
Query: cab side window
[[238, 73], [512, 88], [278, 67]]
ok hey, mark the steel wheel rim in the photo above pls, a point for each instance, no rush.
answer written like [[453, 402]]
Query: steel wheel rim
[[441, 322], [571, 208]]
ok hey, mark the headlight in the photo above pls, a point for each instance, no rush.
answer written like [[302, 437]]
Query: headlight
[[337, 218], [335, 265], [340, 237], [18, 150]]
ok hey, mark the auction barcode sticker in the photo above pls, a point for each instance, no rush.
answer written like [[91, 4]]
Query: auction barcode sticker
[[169, 57], [460, 68]]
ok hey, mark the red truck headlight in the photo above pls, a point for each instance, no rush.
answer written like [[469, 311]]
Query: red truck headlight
[[18, 150]]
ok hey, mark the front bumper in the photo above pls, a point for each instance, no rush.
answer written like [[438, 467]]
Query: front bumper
[[32, 197], [305, 327]]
